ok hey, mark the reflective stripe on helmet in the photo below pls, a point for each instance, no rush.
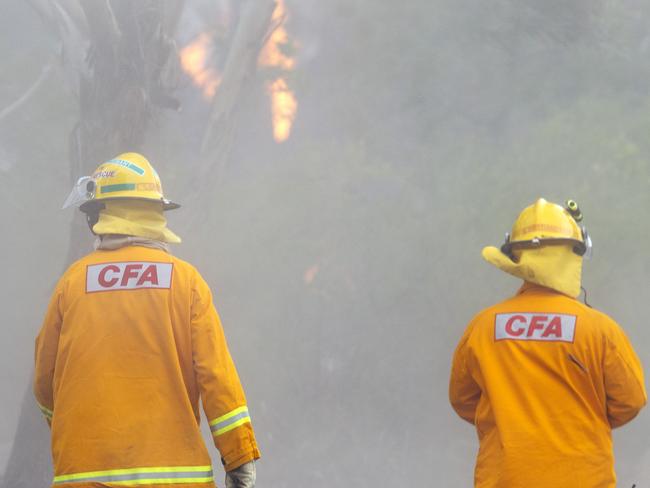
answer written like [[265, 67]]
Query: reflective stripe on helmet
[[119, 187], [142, 476], [230, 421], [129, 165]]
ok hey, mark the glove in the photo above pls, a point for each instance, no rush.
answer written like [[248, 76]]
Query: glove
[[241, 477]]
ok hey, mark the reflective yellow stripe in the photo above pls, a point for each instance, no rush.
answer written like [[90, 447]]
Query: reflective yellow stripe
[[230, 421], [46, 411], [228, 415], [165, 481], [162, 469], [143, 476]]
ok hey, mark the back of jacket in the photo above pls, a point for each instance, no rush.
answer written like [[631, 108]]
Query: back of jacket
[[544, 379], [129, 344]]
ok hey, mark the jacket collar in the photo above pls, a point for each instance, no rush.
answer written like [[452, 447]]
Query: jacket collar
[[112, 242], [532, 288]]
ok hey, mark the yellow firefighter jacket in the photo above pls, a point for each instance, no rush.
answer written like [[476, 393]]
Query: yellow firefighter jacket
[[129, 343], [544, 379]]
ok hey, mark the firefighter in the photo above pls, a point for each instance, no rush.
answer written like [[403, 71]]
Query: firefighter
[[130, 342], [543, 377]]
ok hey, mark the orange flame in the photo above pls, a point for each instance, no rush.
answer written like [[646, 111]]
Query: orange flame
[[272, 54], [283, 101], [310, 274], [194, 61], [283, 109]]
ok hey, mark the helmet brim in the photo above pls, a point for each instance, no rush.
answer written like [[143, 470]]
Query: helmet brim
[[169, 205], [94, 205], [579, 247]]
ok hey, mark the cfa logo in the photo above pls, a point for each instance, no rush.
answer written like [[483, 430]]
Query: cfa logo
[[534, 327], [128, 276]]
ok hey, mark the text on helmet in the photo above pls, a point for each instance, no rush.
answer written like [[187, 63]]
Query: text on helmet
[[103, 174]]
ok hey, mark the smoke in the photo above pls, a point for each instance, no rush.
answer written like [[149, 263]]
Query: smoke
[[345, 261]]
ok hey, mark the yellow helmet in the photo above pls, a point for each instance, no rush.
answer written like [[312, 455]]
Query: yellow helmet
[[545, 223], [129, 175]]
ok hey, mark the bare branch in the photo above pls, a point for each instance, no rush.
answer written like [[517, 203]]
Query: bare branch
[[28, 94]]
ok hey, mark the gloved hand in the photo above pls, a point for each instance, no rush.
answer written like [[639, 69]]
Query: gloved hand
[[241, 477]]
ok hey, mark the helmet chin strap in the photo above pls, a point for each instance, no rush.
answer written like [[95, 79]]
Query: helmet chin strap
[[584, 290], [92, 216], [91, 219]]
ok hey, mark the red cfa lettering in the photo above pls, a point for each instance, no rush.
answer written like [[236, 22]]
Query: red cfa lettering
[[524, 326], [108, 283], [128, 276], [130, 271], [537, 322], [509, 325], [150, 275], [554, 328]]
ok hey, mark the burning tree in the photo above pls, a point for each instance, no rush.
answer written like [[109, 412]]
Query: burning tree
[[283, 100]]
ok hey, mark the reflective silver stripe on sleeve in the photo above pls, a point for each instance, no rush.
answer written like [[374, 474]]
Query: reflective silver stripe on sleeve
[[239, 418]]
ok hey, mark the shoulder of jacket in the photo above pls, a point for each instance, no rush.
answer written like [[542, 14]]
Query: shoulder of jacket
[[503, 306], [77, 266], [599, 323], [185, 266], [484, 316], [189, 272], [606, 323], [75, 271], [589, 312], [181, 263]]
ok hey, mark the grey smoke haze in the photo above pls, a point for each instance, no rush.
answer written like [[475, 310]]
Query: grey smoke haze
[[345, 262]]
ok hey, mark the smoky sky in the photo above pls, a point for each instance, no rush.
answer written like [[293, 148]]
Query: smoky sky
[[345, 261]]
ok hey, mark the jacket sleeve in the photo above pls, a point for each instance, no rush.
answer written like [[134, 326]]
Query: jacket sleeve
[[464, 392], [47, 344], [222, 395], [623, 374]]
